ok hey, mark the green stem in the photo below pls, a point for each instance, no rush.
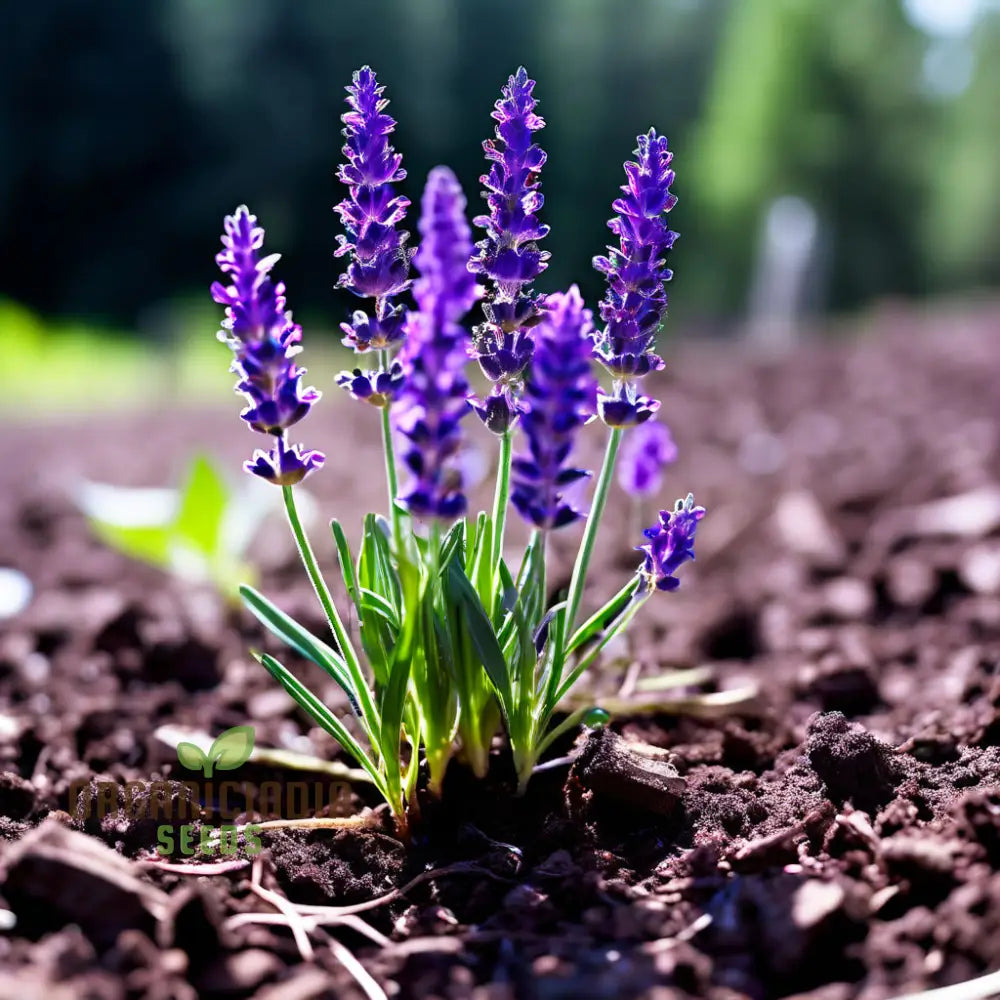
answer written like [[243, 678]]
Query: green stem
[[392, 480], [502, 495], [326, 600], [590, 533]]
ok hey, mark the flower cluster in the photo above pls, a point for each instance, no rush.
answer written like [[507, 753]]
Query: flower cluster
[[433, 400], [559, 398], [380, 260], [264, 341], [635, 271], [509, 256], [671, 544], [454, 636]]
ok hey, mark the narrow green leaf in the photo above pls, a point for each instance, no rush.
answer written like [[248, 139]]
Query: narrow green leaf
[[303, 642], [375, 568], [473, 546], [377, 604], [480, 631], [347, 569], [453, 545], [322, 715], [604, 617]]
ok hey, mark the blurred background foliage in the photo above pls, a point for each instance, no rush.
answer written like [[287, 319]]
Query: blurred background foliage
[[851, 144]]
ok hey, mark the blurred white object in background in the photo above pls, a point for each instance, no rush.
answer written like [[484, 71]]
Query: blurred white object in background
[[785, 269]]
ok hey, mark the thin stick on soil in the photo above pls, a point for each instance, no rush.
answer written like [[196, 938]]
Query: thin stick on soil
[[294, 920], [462, 868]]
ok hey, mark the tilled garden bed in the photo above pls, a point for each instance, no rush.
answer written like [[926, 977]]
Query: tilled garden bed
[[817, 812]]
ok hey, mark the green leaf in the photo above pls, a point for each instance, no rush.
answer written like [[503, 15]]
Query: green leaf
[[480, 630], [377, 604], [303, 642], [347, 569], [482, 565], [232, 748], [321, 714], [530, 579], [203, 504], [191, 757], [453, 545], [604, 618], [375, 569], [474, 545]]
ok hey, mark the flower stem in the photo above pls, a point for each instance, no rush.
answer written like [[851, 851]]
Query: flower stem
[[502, 495], [575, 594], [391, 478], [322, 591]]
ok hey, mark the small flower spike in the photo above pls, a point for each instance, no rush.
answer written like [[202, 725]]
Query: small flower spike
[[264, 340], [635, 271], [432, 401], [509, 255], [671, 544], [646, 452], [380, 260], [560, 394]]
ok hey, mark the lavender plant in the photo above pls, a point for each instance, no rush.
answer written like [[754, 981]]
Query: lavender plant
[[450, 637]]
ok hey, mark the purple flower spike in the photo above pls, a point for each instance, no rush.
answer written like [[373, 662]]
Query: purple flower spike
[[432, 401], [560, 398], [509, 255], [646, 452], [264, 340], [636, 270], [376, 387], [284, 465], [671, 544], [380, 261]]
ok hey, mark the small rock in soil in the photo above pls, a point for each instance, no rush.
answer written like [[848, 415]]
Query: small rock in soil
[[642, 777]]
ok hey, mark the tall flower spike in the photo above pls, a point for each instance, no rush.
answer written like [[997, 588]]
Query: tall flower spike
[[635, 271], [560, 398], [432, 401], [645, 453], [264, 340], [509, 256], [670, 545], [380, 260]]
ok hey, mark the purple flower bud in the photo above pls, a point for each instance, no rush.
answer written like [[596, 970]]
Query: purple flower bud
[[645, 453], [559, 394], [671, 544], [375, 387], [284, 465], [372, 333], [380, 261], [264, 340], [499, 411], [635, 270], [509, 255], [626, 407], [432, 401]]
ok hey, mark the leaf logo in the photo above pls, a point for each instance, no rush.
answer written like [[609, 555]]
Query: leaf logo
[[230, 750]]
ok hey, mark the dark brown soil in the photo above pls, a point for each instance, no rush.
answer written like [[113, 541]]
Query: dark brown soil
[[837, 836]]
